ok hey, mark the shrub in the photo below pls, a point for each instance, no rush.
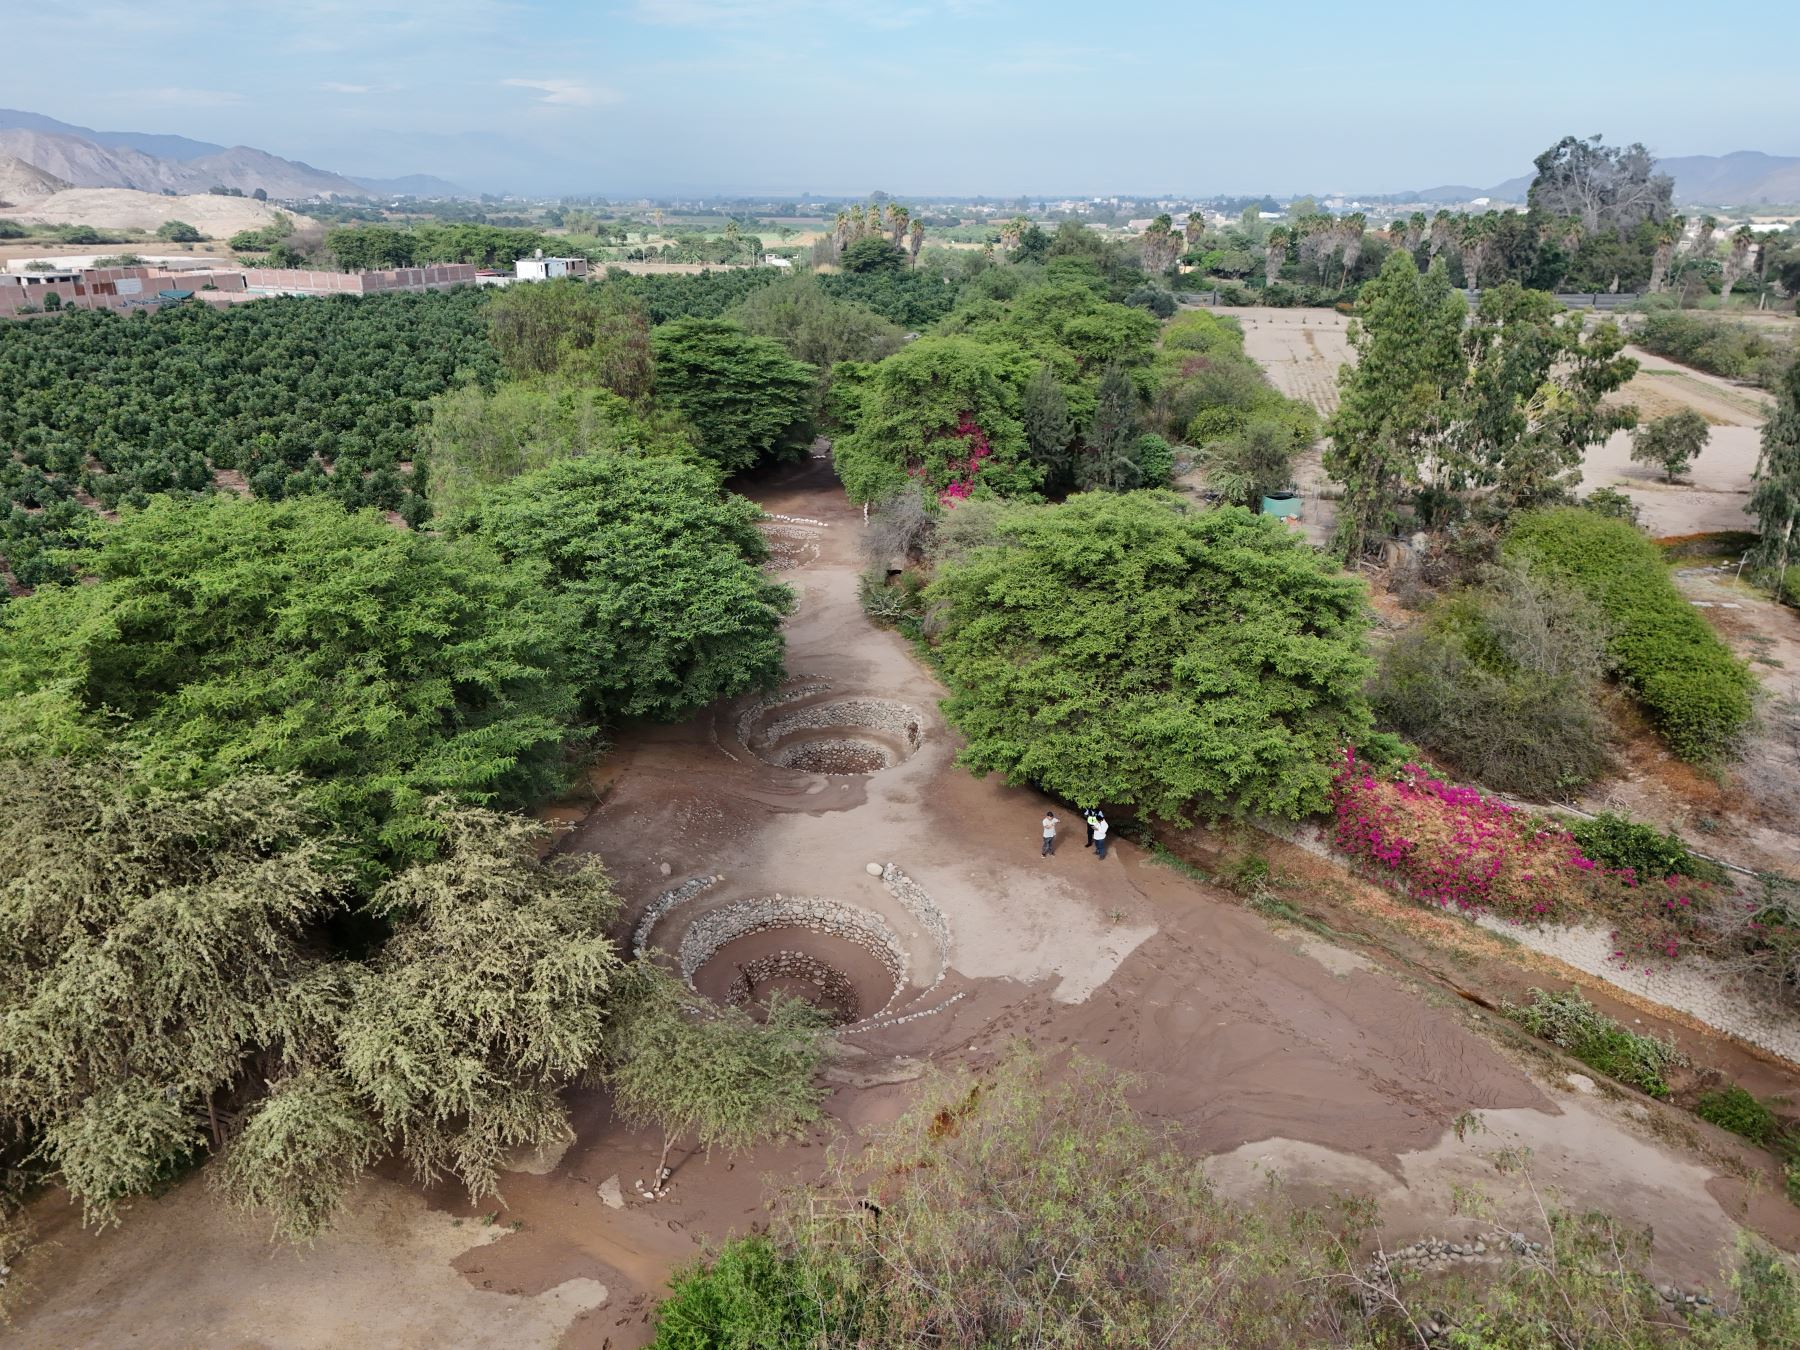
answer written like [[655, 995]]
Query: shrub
[[1501, 680], [1695, 690], [1736, 1110], [1734, 350], [1622, 843], [1670, 443], [1571, 1023], [1611, 503]]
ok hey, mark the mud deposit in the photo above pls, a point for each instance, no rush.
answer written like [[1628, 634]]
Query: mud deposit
[[961, 941]]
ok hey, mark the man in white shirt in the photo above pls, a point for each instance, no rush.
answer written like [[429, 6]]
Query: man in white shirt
[[1049, 823], [1100, 829]]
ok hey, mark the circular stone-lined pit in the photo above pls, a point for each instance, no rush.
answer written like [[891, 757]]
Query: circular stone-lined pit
[[844, 960], [841, 736]]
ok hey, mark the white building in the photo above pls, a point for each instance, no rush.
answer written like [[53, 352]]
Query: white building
[[546, 269]]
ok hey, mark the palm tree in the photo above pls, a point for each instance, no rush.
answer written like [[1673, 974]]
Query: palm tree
[[1443, 230], [1274, 254], [1011, 231], [1352, 227], [1416, 225], [1472, 243], [898, 219], [1668, 234], [1743, 239], [840, 231], [1193, 229], [917, 241]]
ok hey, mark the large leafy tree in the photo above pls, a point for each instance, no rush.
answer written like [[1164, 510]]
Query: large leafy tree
[[149, 943], [478, 438], [747, 399], [216, 636], [915, 414], [1127, 649], [1531, 402], [600, 334], [817, 327], [1603, 186], [675, 612], [1397, 397]]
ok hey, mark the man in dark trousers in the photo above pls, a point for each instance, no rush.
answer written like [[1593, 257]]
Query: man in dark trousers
[[1100, 830], [1088, 818], [1049, 826]]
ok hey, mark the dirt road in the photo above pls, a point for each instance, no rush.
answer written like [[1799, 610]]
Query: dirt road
[[1266, 1048]]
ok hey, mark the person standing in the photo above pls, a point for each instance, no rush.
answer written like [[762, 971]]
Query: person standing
[[1049, 824], [1088, 818], [1100, 831]]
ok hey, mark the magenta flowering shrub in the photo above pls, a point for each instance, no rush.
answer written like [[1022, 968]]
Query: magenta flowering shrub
[[1450, 846], [964, 468]]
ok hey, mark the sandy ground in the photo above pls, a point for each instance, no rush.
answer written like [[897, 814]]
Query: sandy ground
[[1263, 1048], [122, 208]]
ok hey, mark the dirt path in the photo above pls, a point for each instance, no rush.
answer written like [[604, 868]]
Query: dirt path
[[1265, 1049]]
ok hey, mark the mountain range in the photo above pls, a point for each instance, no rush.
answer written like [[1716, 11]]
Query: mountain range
[[151, 162], [1742, 178]]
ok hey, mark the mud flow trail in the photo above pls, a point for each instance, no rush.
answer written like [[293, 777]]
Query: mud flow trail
[[820, 840]]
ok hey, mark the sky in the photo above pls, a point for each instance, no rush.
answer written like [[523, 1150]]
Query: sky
[[915, 97]]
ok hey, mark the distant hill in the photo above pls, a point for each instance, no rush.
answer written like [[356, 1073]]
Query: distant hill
[[22, 183], [1742, 178], [413, 185], [147, 162], [146, 143]]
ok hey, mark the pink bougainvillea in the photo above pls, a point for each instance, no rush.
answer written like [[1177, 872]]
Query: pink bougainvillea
[[1450, 846], [964, 466]]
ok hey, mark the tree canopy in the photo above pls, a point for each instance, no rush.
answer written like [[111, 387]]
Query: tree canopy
[[598, 334], [1128, 650], [477, 438], [746, 398], [217, 636], [674, 610], [1601, 185], [945, 409]]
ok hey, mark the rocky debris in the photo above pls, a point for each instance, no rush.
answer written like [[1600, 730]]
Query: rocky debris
[[833, 990], [610, 1194]]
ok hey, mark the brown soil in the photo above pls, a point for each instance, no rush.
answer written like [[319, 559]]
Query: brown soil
[[1341, 1062]]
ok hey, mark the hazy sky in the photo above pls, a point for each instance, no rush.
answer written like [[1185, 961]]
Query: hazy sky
[[914, 96]]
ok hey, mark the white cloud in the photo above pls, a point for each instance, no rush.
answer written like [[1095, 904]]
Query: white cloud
[[334, 87], [566, 93]]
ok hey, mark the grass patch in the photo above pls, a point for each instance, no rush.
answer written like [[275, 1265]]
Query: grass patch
[[1570, 1022]]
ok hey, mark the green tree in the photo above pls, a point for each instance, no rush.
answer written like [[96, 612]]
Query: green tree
[[1049, 430], [747, 399], [217, 635], [1248, 466], [817, 327], [1126, 649], [1671, 443], [663, 569], [1108, 459], [917, 411], [477, 439], [598, 334], [178, 232], [150, 944], [1533, 399], [715, 1075], [1775, 491], [1397, 397], [873, 254]]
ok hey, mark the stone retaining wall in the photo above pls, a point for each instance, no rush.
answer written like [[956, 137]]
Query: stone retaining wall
[[814, 913], [835, 988]]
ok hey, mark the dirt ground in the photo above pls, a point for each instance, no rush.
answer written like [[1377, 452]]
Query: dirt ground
[[1268, 1048]]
